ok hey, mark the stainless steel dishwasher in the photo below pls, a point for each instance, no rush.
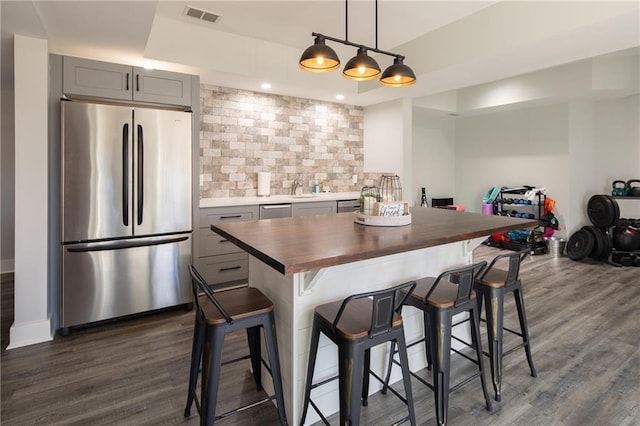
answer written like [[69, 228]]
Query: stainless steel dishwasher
[[272, 211], [348, 206]]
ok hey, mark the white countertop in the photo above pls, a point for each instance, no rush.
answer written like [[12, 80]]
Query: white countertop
[[278, 199]]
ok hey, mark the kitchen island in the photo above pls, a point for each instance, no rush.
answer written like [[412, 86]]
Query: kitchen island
[[301, 262]]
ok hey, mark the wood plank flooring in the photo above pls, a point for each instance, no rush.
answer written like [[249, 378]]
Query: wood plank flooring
[[584, 322]]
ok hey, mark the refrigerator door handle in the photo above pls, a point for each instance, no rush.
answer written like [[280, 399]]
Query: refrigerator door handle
[[125, 175], [123, 245], [140, 173]]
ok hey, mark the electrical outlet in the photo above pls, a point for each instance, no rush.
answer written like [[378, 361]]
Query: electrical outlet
[[354, 179]]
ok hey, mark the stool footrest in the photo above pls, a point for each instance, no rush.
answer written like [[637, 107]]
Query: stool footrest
[[393, 391], [244, 407]]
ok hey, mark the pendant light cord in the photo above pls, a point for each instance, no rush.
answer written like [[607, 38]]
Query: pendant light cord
[[376, 24], [346, 20]]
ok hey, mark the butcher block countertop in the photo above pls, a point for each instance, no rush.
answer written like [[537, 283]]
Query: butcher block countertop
[[299, 244]]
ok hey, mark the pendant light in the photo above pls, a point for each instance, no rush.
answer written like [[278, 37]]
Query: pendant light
[[319, 57], [398, 74], [361, 67]]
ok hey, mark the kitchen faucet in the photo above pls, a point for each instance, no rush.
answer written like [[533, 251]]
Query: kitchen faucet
[[295, 185]]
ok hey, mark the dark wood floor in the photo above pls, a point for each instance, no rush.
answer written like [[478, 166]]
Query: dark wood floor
[[584, 321]]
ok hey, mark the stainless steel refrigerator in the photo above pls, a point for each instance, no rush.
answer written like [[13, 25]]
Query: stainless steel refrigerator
[[126, 210]]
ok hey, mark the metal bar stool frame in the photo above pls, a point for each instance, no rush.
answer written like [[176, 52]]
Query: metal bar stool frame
[[354, 352], [491, 286], [206, 354], [438, 311]]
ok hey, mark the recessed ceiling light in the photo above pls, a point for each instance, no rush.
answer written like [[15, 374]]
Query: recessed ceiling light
[[339, 97], [266, 86]]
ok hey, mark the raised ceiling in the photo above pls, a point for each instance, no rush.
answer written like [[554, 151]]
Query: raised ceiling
[[449, 44]]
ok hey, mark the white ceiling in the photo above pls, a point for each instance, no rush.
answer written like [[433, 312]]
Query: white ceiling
[[449, 44]]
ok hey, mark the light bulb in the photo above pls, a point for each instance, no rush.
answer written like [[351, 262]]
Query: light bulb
[[320, 60], [361, 70]]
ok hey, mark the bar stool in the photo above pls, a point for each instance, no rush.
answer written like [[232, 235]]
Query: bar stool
[[492, 285], [440, 298], [355, 325], [218, 314]]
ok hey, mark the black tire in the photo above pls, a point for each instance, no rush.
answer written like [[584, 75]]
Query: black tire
[[580, 245]]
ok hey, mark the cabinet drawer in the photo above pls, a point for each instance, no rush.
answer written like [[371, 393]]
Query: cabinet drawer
[[222, 269], [214, 244], [227, 214]]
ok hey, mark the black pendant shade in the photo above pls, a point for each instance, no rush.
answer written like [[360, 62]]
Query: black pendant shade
[[361, 67], [398, 75], [319, 57]]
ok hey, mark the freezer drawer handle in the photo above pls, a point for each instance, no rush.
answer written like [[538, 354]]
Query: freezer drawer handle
[[140, 174], [126, 245], [125, 174], [230, 217], [229, 269]]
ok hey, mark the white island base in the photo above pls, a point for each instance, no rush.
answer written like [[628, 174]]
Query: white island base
[[295, 296]]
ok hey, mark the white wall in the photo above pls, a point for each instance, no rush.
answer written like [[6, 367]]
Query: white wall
[[383, 138], [618, 146], [513, 148], [573, 149], [31, 302], [388, 142], [434, 154]]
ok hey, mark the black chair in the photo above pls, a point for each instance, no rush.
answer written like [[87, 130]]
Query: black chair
[[440, 298], [491, 286], [355, 325], [218, 314]]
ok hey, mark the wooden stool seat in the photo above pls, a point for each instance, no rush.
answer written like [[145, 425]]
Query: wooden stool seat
[[495, 278], [239, 303], [355, 321], [443, 296]]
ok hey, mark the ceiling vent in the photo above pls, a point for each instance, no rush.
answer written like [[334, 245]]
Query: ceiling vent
[[203, 15]]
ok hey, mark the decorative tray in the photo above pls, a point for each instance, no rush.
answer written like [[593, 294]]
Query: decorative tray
[[367, 219]]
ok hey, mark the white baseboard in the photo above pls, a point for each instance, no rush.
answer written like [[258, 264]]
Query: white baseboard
[[29, 333], [6, 266]]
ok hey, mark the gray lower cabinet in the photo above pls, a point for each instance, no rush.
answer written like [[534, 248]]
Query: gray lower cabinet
[[314, 207], [220, 261], [88, 78]]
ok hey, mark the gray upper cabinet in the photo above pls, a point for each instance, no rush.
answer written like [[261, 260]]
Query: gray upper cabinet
[[88, 78], [161, 87]]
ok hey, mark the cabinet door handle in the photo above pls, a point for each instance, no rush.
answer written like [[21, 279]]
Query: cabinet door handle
[[127, 86], [137, 82], [229, 269], [230, 217]]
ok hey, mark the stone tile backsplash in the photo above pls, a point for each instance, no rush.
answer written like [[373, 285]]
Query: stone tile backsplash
[[243, 133]]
